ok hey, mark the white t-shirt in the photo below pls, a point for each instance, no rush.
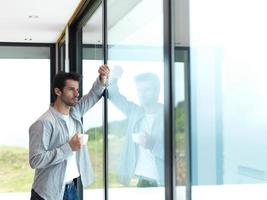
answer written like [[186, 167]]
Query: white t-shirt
[[146, 165], [72, 167]]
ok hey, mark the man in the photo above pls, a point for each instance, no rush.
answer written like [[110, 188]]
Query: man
[[143, 150], [55, 147]]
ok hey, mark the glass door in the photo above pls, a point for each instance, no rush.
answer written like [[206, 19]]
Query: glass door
[[135, 102], [93, 119]]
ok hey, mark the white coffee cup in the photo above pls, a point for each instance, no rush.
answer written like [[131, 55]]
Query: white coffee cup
[[136, 137], [84, 138]]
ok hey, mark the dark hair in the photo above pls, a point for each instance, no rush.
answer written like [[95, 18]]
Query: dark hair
[[59, 80]]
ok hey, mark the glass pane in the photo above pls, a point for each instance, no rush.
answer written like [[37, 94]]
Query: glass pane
[[93, 119], [181, 131], [25, 95], [229, 99], [136, 139], [181, 70]]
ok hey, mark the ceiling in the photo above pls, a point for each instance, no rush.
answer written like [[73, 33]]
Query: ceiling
[[34, 21], [43, 21]]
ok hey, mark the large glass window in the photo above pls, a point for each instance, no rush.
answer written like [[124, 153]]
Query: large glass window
[[135, 116], [229, 99], [181, 66], [25, 81], [93, 119], [181, 100]]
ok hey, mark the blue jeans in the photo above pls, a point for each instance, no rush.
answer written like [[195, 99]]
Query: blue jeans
[[35, 196], [70, 192]]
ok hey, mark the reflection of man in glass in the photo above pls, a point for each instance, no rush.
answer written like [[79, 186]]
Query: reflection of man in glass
[[142, 154]]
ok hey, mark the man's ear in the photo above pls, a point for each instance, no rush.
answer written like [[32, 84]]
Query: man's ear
[[57, 91]]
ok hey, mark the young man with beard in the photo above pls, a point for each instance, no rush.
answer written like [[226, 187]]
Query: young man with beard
[[56, 149]]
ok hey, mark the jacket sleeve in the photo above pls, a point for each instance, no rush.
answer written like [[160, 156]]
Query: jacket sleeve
[[90, 99], [40, 156]]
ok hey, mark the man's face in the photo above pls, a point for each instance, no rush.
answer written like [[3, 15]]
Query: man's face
[[70, 93], [146, 92]]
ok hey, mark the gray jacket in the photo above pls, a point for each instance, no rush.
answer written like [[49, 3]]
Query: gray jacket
[[49, 148]]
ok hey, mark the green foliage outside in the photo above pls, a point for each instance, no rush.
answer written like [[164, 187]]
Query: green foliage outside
[[180, 126], [116, 130], [15, 172], [180, 117]]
